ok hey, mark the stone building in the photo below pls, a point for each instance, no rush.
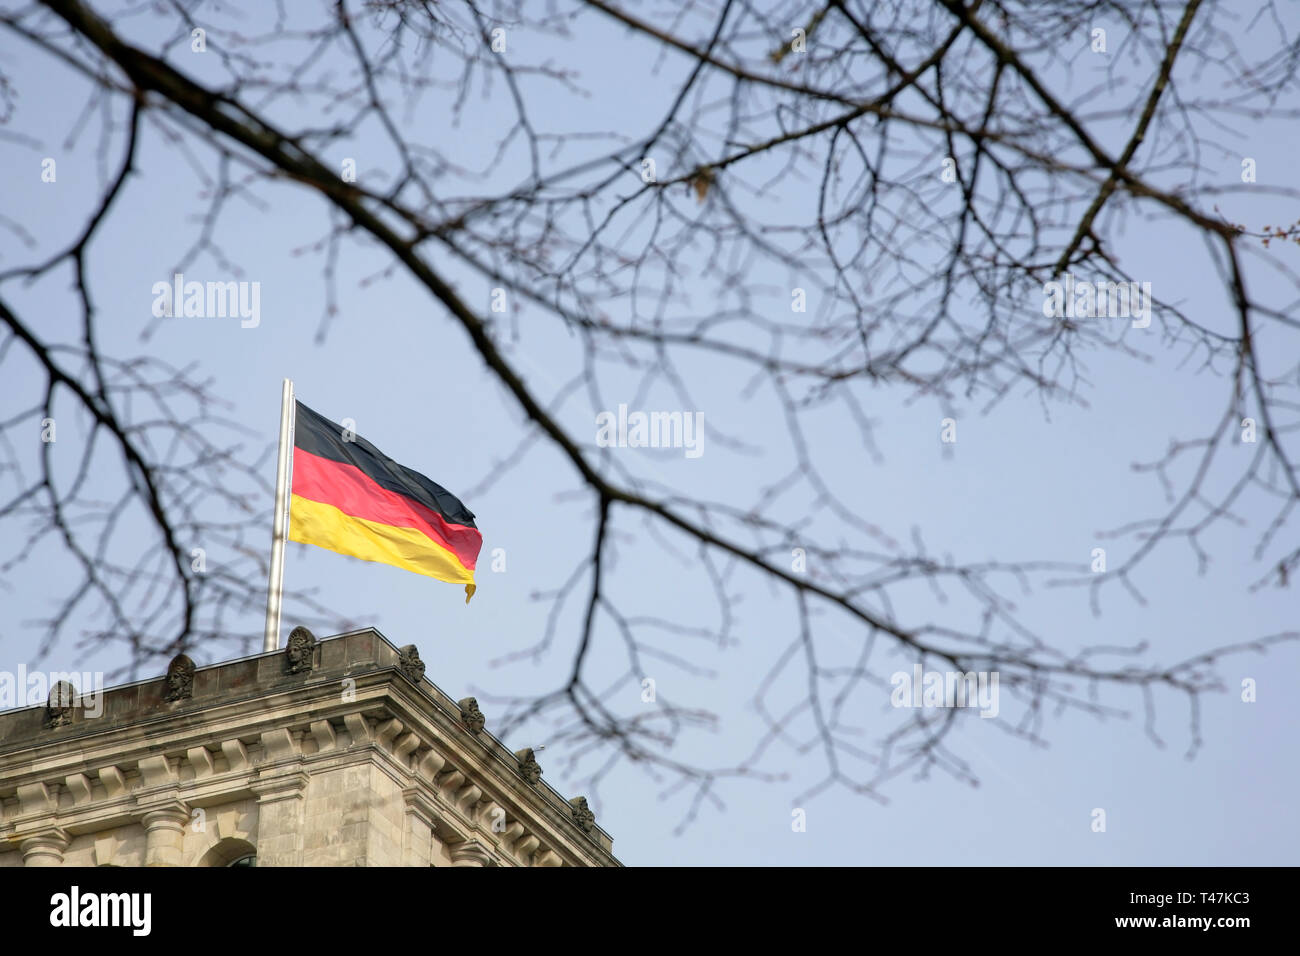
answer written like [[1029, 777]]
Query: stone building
[[335, 752]]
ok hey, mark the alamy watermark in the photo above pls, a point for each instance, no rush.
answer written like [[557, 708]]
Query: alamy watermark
[[1091, 300], [923, 688], [129, 910], [209, 300], [651, 430], [29, 689]]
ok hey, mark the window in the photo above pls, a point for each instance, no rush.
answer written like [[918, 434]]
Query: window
[[230, 852]]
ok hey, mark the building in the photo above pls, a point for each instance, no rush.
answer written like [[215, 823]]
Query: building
[[335, 752]]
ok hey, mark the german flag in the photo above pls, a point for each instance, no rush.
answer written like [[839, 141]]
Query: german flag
[[349, 497]]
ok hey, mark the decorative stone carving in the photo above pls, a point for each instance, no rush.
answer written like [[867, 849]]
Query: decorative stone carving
[[470, 715], [582, 814], [45, 848], [529, 768], [526, 845], [470, 853], [180, 679], [409, 663], [58, 709], [300, 651]]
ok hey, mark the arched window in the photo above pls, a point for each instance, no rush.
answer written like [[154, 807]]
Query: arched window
[[230, 852]]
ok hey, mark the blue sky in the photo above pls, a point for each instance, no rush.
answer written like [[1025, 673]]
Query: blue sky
[[1021, 483]]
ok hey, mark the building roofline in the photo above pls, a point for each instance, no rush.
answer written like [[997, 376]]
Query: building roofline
[[27, 728]]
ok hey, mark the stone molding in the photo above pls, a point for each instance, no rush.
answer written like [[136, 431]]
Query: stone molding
[[267, 747], [45, 847], [457, 808]]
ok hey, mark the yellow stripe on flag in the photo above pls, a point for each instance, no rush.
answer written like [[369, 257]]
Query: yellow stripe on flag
[[325, 526]]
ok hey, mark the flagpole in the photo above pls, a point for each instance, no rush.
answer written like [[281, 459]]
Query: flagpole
[[280, 531]]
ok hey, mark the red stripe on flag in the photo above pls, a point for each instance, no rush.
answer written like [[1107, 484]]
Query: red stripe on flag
[[353, 492]]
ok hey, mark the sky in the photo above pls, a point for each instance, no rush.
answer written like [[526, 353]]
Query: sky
[[1021, 482]]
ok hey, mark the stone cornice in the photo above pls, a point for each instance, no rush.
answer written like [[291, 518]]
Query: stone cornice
[[250, 721]]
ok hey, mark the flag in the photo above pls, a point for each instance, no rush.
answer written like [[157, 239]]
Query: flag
[[349, 497]]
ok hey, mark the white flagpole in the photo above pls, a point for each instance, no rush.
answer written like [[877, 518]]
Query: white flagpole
[[280, 532]]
